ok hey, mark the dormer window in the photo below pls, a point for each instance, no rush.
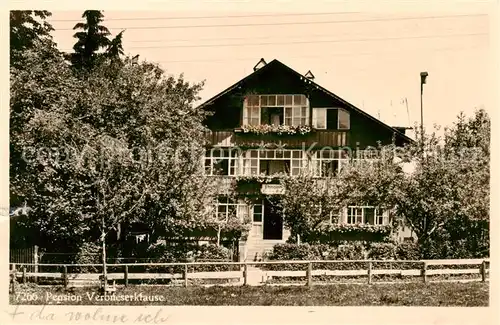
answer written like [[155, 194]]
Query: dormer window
[[292, 110]]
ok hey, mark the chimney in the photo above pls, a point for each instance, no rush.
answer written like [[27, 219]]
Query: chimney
[[309, 75], [259, 64]]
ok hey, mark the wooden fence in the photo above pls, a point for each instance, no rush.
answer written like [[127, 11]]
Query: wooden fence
[[28, 255], [258, 273]]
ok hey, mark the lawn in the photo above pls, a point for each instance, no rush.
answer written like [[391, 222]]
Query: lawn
[[400, 294]]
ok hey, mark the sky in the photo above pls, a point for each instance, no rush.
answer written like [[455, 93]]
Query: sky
[[371, 59]]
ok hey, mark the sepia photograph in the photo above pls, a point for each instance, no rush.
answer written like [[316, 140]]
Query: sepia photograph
[[311, 157]]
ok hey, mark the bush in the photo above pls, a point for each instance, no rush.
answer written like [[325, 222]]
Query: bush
[[186, 253], [342, 251], [408, 251], [293, 252], [89, 253], [290, 252], [382, 251], [213, 253], [351, 252]]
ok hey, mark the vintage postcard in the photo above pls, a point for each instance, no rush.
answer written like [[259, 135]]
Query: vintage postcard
[[290, 160]]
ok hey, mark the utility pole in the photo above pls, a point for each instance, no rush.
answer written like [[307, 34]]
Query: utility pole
[[423, 77]]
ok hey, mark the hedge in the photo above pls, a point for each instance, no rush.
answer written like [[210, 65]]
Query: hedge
[[338, 251]]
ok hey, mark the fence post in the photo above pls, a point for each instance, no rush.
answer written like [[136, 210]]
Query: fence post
[[125, 276], [483, 271], [65, 276], [185, 275], [424, 272], [14, 276], [369, 272], [245, 274], [309, 274], [35, 258], [24, 274]]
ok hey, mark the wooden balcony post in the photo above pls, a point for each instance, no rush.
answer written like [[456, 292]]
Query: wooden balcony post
[[24, 274], [185, 275]]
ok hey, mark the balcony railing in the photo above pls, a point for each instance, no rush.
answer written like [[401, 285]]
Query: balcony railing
[[319, 138]]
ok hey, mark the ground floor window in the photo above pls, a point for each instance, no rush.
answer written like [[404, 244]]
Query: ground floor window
[[258, 213], [366, 214], [226, 208]]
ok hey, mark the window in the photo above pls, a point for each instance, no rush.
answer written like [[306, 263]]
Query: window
[[272, 162], [257, 213], [366, 214], [220, 161], [319, 118], [344, 122], [331, 118], [242, 212], [276, 110], [333, 216], [251, 111], [251, 163], [227, 208], [354, 215], [328, 163], [381, 217]]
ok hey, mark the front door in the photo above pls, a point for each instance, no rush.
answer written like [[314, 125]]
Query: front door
[[273, 222]]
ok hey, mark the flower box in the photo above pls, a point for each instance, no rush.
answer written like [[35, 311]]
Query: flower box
[[274, 129]]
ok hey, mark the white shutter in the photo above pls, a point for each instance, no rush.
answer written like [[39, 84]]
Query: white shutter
[[245, 112]]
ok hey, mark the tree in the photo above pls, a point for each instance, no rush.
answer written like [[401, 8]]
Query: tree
[[28, 27], [40, 84], [309, 202], [121, 146], [115, 48], [449, 188], [93, 38]]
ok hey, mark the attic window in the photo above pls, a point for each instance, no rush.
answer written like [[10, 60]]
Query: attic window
[[331, 118], [259, 64], [276, 110]]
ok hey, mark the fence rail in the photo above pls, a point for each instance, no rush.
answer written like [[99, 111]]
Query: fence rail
[[255, 273]]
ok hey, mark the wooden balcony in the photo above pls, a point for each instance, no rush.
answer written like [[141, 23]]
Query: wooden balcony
[[318, 138]]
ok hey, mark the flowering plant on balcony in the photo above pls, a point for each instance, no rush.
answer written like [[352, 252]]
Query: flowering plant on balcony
[[276, 129], [262, 178]]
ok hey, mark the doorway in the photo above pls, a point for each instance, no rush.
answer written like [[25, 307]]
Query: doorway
[[273, 221]]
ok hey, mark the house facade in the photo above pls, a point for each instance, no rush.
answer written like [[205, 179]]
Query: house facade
[[275, 122]]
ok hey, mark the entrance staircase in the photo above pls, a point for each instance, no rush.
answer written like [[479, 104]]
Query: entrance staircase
[[256, 247]]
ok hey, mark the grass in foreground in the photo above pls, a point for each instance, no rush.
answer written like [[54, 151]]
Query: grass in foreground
[[408, 294]]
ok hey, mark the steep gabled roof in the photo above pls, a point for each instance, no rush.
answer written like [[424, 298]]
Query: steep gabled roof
[[275, 62]]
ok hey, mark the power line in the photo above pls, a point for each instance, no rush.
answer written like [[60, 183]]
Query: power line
[[225, 60], [306, 42], [228, 38], [217, 17], [290, 23]]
